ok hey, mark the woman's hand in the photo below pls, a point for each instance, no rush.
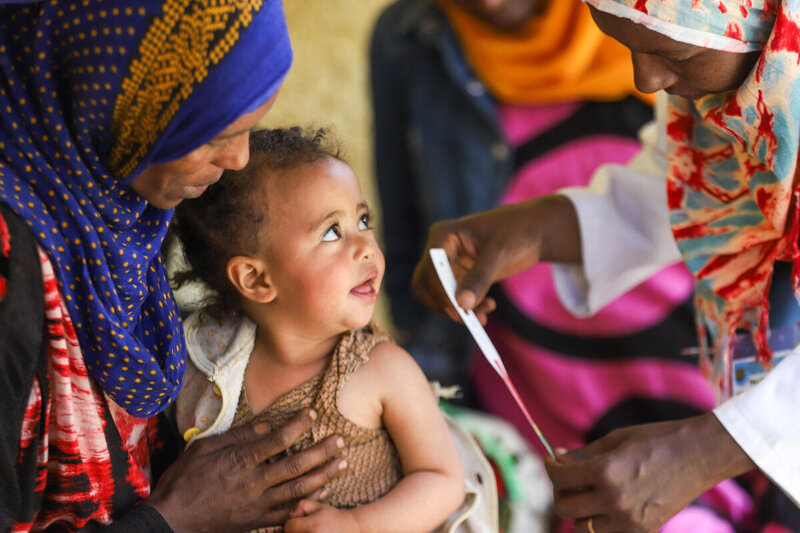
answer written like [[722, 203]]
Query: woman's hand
[[490, 246], [314, 517], [636, 478], [224, 483]]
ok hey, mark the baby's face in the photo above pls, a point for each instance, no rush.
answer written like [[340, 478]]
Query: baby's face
[[323, 258]]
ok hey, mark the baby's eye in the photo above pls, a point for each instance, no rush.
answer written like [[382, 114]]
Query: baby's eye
[[365, 222], [333, 234]]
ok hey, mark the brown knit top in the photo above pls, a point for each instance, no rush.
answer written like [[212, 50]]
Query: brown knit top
[[373, 466]]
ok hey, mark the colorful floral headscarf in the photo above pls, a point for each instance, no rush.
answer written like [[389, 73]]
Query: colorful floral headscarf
[[736, 26], [92, 93], [733, 159]]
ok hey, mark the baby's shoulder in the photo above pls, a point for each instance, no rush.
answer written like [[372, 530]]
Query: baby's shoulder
[[388, 352], [385, 364], [364, 394], [377, 363]]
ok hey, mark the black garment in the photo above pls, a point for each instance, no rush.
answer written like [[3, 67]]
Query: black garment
[[23, 357]]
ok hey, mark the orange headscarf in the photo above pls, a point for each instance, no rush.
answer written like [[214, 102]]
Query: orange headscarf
[[556, 57]]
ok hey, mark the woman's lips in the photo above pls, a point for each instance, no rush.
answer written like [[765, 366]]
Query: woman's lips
[[194, 191]]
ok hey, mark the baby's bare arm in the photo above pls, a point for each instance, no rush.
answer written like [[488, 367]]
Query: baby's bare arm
[[432, 486]]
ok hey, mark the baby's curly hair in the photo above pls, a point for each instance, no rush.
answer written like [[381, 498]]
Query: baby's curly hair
[[224, 221]]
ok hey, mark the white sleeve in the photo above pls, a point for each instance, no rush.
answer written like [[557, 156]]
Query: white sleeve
[[763, 421], [624, 223]]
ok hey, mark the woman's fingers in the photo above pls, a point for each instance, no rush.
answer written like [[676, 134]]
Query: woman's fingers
[[426, 287], [579, 504], [253, 447], [297, 464], [482, 249], [251, 443], [636, 478], [455, 238], [570, 471], [288, 468], [475, 284], [225, 483]]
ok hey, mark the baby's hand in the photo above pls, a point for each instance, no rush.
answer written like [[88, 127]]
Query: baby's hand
[[309, 516]]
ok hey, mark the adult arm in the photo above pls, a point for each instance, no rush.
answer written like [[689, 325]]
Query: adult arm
[[636, 478], [603, 239], [224, 483], [495, 244]]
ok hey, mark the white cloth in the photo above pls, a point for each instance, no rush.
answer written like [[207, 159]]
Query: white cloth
[[218, 356], [624, 223], [626, 238], [763, 420]]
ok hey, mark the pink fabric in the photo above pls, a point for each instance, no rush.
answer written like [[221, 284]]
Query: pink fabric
[[521, 123], [572, 164], [567, 395], [697, 519], [731, 500], [534, 293], [775, 528]]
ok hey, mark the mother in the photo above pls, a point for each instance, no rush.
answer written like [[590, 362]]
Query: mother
[[727, 143], [111, 114]]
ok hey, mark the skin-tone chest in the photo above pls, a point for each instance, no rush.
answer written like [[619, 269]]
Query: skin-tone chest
[[267, 379]]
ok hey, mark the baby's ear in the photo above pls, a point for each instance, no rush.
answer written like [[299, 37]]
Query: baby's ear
[[251, 278]]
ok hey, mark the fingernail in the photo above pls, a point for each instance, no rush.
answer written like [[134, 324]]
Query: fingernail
[[560, 451], [313, 414], [340, 443], [467, 299], [342, 465], [324, 494], [261, 428]]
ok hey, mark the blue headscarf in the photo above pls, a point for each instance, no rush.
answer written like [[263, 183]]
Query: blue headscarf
[[91, 94]]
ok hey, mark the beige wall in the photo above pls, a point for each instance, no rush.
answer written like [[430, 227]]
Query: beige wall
[[328, 83]]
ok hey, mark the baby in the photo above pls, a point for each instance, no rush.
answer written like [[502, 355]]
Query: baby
[[286, 245]]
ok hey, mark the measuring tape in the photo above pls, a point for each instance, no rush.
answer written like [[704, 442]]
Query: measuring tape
[[442, 265]]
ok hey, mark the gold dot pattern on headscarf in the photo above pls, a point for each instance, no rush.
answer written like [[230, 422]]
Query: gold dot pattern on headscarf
[[65, 67], [102, 238]]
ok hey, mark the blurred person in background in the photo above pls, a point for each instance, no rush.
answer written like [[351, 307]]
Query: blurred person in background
[[482, 103]]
